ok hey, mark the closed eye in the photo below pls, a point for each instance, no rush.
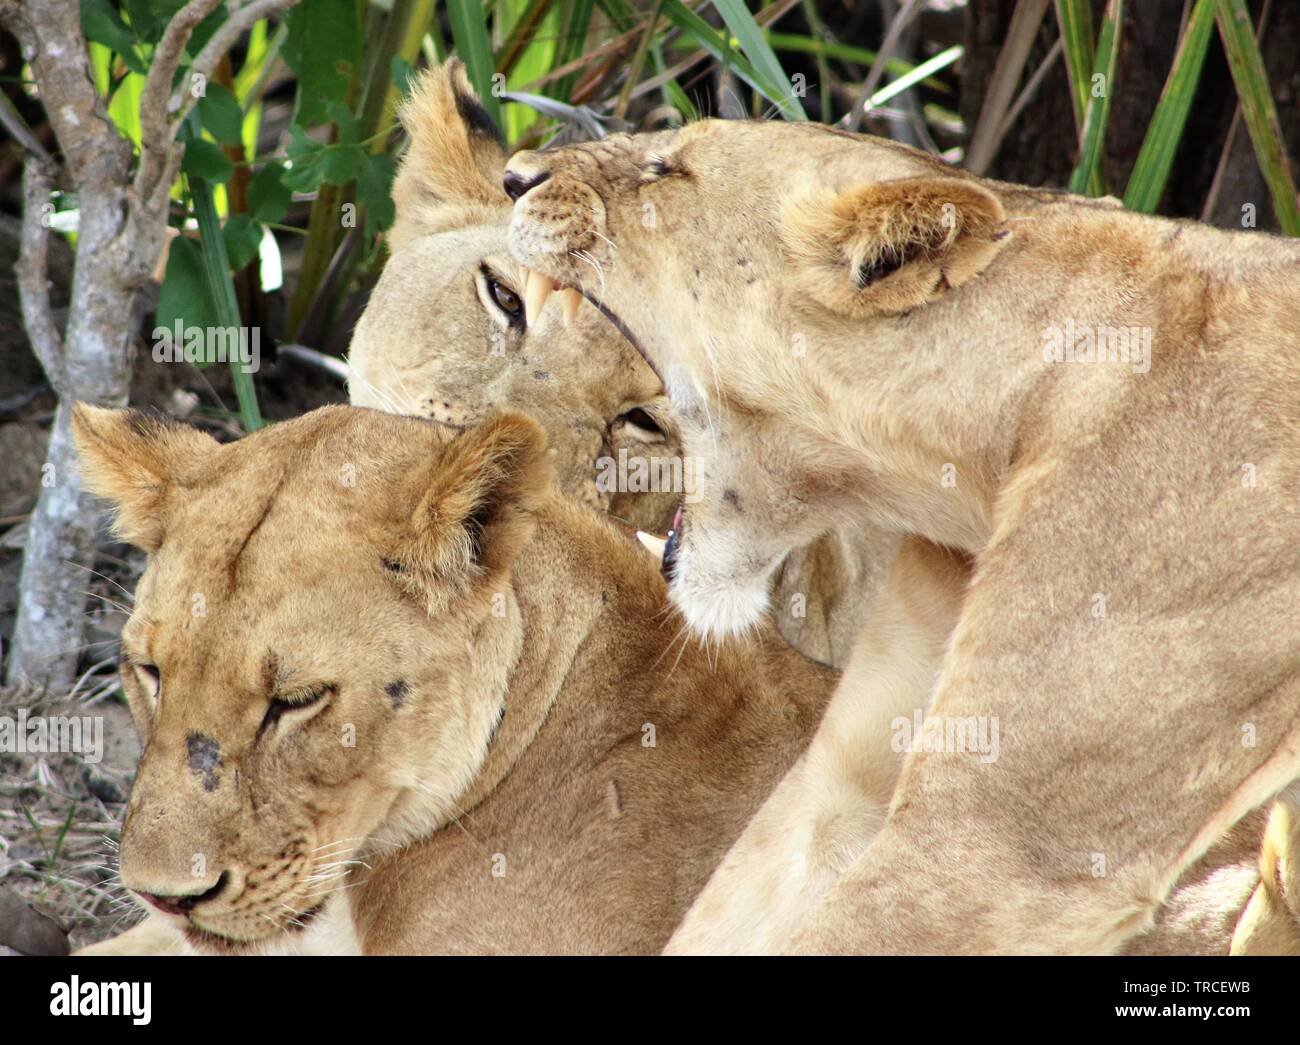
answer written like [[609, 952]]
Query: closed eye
[[308, 698]]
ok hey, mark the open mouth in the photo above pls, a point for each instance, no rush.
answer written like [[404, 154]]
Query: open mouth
[[665, 548], [538, 287]]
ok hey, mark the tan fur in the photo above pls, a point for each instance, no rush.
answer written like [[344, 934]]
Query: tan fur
[[1271, 922], [512, 749], [1134, 617], [432, 343]]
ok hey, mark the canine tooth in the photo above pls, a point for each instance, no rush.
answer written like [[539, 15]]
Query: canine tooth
[[570, 299], [536, 291], [654, 545]]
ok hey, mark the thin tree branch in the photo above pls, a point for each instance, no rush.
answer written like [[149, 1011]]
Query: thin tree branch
[[12, 121], [887, 48], [1026, 19], [240, 20], [33, 270], [162, 111], [155, 125]]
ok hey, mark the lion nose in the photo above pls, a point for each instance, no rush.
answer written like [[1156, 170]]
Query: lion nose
[[183, 903], [517, 184]]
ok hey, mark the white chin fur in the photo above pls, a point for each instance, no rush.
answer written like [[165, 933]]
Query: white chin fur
[[729, 608]]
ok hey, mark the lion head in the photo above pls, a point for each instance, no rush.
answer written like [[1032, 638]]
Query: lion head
[[448, 333], [750, 263], [318, 653]]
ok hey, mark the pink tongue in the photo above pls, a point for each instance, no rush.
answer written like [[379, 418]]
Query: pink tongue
[[677, 519]]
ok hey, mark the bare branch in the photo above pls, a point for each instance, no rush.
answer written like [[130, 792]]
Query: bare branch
[[240, 20], [33, 269], [12, 121], [155, 121], [161, 116]]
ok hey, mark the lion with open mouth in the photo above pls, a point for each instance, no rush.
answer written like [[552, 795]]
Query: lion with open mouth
[[1101, 409]]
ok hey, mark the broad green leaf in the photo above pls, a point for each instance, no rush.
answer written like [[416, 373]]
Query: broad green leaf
[[324, 51], [102, 23], [1147, 182], [220, 114], [268, 197], [204, 159], [1256, 97], [184, 295], [149, 17], [243, 236], [469, 32], [375, 189], [1087, 173], [759, 52], [314, 164]]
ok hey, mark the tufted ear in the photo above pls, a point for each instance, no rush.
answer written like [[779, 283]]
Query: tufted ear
[[451, 173], [129, 458], [476, 509], [885, 248]]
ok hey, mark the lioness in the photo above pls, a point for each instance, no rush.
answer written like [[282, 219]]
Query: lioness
[[447, 335], [1101, 408], [398, 696]]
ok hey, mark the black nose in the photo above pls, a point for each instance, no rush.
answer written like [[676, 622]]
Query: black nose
[[517, 184]]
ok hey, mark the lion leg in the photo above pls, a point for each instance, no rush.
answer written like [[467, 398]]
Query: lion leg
[[151, 936], [1271, 922], [833, 800]]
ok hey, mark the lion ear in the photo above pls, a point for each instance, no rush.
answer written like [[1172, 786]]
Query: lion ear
[[128, 458], [451, 173], [476, 509], [885, 248]]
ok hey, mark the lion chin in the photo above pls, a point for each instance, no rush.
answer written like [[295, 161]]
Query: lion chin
[[718, 606]]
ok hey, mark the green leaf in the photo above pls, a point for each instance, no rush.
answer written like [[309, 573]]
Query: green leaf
[[402, 72], [150, 17], [243, 236], [314, 164], [375, 190], [1087, 173], [184, 295], [756, 48], [1256, 97], [204, 159], [708, 38], [1147, 182], [268, 196], [323, 49], [221, 115], [101, 23], [469, 31]]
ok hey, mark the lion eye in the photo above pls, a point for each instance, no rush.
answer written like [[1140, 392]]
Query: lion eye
[[507, 300], [299, 701], [149, 678]]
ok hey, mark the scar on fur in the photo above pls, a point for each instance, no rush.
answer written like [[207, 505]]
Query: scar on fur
[[615, 800], [204, 759], [397, 691]]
